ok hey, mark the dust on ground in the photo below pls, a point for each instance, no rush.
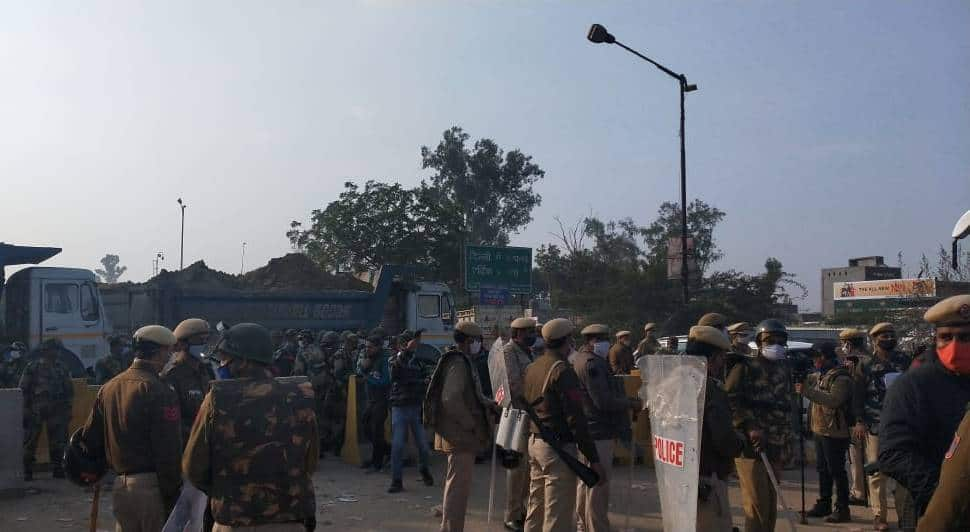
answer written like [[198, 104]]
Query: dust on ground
[[349, 499]]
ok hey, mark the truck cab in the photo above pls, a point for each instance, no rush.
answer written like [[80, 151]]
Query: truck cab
[[431, 308], [40, 303]]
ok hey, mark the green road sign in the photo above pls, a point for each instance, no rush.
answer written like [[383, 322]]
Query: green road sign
[[502, 268]]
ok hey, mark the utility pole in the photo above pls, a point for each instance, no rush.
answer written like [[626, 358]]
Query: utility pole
[[182, 245]]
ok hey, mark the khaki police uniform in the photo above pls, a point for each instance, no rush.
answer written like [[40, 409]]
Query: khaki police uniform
[[517, 479], [135, 425], [552, 387], [949, 509]]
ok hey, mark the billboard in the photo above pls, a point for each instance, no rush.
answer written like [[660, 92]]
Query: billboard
[[675, 262], [502, 268], [890, 288]]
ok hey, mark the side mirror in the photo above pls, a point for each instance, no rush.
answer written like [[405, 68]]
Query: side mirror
[[960, 230]]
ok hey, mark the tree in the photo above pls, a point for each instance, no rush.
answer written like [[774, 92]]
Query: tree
[[491, 189], [111, 272], [701, 221], [480, 196]]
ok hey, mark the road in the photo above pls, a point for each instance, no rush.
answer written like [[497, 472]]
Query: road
[[348, 499]]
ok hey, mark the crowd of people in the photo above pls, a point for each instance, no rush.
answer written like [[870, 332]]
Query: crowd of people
[[189, 409]]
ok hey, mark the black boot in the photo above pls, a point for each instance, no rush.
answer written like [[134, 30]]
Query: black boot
[[396, 486], [822, 508], [840, 515], [426, 477]]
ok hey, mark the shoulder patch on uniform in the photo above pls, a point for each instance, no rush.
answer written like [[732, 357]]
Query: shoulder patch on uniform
[[170, 413], [953, 448]]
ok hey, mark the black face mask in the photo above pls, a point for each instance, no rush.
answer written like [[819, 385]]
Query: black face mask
[[529, 341], [887, 345]]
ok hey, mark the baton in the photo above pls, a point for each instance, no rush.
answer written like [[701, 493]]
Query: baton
[[93, 524], [491, 488], [782, 505]]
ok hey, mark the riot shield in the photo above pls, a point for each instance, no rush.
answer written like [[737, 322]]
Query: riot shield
[[498, 375], [674, 392]]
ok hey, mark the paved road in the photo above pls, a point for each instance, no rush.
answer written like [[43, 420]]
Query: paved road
[[348, 499]]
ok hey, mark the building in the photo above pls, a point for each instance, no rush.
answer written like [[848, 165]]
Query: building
[[859, 269]]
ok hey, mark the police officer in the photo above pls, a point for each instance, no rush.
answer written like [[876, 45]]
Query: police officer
[[925, 405], [758, 390], [830, 391], [188, 375], [713, 319], [12, 365], [112, 364], [720, 443], [48, 393], [253, 446], [740, 334], [949, 509], [375, 370], [871, 375], [134, 425], [461, 415], [854, 355], [556, 396], [516, 356], [621, 354], [649, 345], [606, 408]]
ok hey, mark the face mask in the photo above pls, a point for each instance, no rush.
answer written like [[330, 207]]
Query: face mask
[[773, 352], [887, 345], [476, 347], [386, 344], [223, 373], [530, 340], [601, 348], [955, 357], [196, 350]]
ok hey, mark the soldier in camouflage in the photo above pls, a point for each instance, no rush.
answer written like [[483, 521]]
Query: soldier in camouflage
[[319, 360], [871, 391], [758, 389], [12, 365], [111, 365], [284, 359], [48, 393], [253, 447], [335, 404]]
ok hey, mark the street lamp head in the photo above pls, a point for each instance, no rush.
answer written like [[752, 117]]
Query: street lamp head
[[598, 34], [690, 87], [179, 201]]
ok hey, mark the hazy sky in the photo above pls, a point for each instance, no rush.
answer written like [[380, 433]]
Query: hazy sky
[[824, 129]]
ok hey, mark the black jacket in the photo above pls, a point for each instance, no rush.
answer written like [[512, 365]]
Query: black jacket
[[407, 380], [920, 414]]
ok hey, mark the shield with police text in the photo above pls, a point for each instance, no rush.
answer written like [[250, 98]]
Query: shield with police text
[[497, 374], [674, 392]]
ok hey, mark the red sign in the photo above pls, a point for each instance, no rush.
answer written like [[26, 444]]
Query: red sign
[[670, 452], [500, 394]]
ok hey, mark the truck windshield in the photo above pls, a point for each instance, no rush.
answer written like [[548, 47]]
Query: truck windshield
[[429, 306], [60, 298]]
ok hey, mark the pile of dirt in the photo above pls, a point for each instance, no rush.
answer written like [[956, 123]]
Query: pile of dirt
[[296, 272], [199, 276]]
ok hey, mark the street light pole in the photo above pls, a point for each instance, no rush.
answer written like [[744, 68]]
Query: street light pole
[[182, 245], [598, 34], [242, 259]]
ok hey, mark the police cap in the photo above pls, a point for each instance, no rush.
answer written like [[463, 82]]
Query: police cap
[[950, 312], [739, 327], [595, 329], [247, 340], [649, 327], [851, 334], [191, 327], [469, 328], [713, 319], [622, 334], [155, 334], [522, 323], [556, 329], [880, 328], [712, 336]]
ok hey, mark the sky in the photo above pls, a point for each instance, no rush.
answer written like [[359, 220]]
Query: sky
[[825, 130]]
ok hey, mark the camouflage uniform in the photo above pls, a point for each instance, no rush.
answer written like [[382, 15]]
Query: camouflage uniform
[[335, 404], [321, 378], [253, 450], [189, 378], [285, 360], [759, 393], [48, 394], [10, 371], [106, 368]]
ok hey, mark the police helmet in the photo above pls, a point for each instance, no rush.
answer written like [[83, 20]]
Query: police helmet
[[80, 467], [771, 326], [247, 340]]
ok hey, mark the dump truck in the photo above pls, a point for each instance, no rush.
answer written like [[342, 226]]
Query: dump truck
[[393, 298], [38, 303]]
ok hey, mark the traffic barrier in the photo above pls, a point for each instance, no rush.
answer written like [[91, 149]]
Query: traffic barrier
[[350, 451], [11, 442]]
